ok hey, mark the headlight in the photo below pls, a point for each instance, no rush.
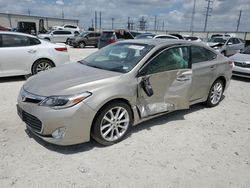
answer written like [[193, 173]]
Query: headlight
[[60, 102]]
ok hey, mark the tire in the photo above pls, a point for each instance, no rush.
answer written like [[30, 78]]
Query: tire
[[215, 94], [106, 129], [67, 41], [81, 45], [41, 65]]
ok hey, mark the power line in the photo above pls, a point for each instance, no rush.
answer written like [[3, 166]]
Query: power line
[[208, 11]]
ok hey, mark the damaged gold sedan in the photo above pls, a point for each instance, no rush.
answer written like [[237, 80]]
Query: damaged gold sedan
[[117, 87]]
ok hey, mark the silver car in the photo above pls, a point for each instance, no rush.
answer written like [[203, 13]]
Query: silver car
[[117, 87], [226, 46], [242, 63]]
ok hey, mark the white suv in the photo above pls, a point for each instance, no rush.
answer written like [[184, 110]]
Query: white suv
[[58, 35], [66, 27]]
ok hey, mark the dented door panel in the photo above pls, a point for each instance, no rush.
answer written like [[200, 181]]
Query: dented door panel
[[170, 92]]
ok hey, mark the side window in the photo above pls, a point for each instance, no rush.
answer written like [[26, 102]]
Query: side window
[[98, 34], [91, 35], [236, 41], [171, 59], [14, 40], [34, 41], [200, 54], [57, 33]]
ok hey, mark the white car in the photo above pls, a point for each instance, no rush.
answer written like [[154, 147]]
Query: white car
[[58, 35], [242, 63], [66, 27], [23, 54]]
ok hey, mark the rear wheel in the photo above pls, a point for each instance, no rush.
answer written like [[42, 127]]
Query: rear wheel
[[48, 39], [112, 123], [82, 44], [215, 94], [42, 65]]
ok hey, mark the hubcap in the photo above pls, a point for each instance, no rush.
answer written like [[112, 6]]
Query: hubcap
[[216, 93], [114, 123], [81, 45], [43, 66]]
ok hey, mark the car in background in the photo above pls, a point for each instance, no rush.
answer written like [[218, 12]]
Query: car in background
[[135, 33], [123, 84], [226, 46], [154, 36], [193, 38], [58, 35], [111, 36], [84, 39], [23, 54], [66, 27], [242, 63]]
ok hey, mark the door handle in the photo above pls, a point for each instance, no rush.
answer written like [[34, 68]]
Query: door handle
[[213, 67], [32, 51], [182, 78]]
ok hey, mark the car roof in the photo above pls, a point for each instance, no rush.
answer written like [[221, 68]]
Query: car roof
[[156, 42], [17, 33]]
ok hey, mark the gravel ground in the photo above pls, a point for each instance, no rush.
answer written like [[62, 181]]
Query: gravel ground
[[199, 147]]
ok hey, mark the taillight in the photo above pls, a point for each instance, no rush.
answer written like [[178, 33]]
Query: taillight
[[63, 49], [231, 63], [112, 40]]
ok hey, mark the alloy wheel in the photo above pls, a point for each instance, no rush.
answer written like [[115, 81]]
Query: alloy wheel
[[216, 93], [114, 124], [43, 66]]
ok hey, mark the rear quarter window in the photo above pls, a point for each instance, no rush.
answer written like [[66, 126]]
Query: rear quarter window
[[106, 34]]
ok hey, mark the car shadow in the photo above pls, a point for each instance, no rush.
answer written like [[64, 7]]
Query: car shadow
[[159, 120], [243, 79], [12, 79]]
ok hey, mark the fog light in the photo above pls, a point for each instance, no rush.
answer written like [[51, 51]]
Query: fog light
[[59, 133]]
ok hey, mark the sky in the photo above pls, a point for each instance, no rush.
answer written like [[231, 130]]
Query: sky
[[171, 15]]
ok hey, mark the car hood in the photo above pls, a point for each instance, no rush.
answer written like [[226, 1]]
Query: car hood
[[241, 57], [69, 79]]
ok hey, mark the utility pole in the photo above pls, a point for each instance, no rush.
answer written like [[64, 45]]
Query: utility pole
[[112, 23], [163, 25], [95, 20], [208, 11], [192, 19], [155, 23], [128, 23], [100, 20], [238, 24], [28, 11], [92, 23]]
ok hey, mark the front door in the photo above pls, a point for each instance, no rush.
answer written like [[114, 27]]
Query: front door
[[168, 76]]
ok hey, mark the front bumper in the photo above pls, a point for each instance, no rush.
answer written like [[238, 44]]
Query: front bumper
[[76, 120], [241, 71]]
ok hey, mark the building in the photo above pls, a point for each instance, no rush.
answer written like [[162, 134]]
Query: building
[[10, 20]]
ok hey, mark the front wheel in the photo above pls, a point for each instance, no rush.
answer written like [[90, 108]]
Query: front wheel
[[41, 65], [215, 94], [112, 123], [82, 45]]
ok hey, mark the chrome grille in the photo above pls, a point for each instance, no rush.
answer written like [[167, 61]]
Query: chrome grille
[[33, 122], [242, 64], [31, 98]]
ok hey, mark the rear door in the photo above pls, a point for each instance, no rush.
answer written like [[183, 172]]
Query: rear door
[[204, 65], [17, 54], [169, 76]]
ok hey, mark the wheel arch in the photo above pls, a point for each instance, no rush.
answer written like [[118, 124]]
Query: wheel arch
[[111, 101], [45, 58]]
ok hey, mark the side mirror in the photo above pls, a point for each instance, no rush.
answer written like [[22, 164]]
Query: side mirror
[[86, 37], [146, 86]]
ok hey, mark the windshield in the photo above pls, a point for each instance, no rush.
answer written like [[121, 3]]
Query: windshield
[[220, 40], [121, 57]]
